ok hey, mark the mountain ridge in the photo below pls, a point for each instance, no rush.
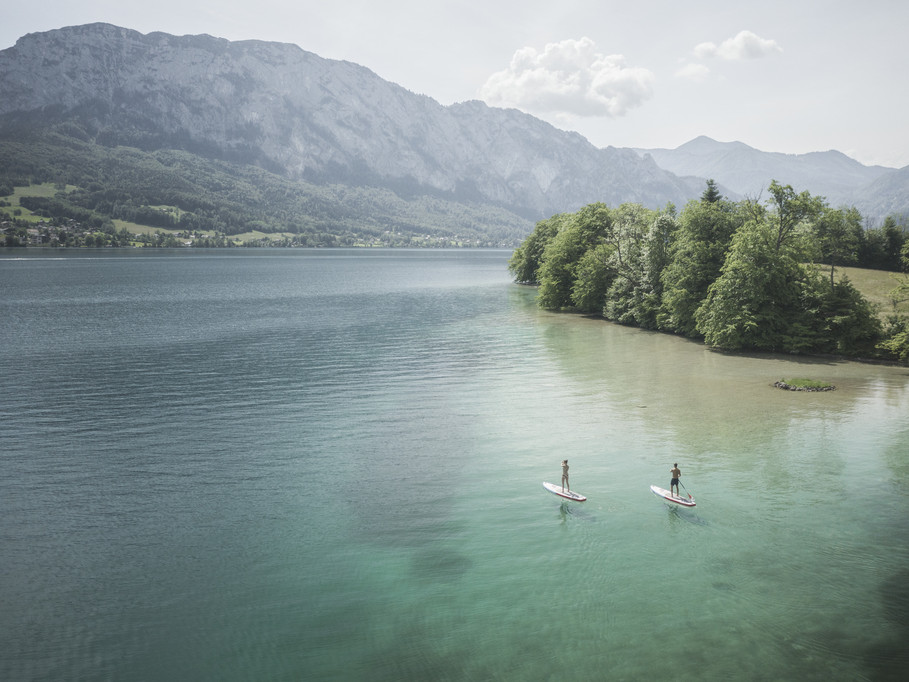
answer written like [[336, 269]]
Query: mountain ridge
[[322, 121], [747, 171], [276, 105]]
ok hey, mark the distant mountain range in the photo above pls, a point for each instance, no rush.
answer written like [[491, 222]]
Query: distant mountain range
[[744, 171], [297, 115]]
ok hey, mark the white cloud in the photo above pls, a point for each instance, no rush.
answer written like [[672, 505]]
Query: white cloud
[[569, 77], [695, 72], [745, 45]]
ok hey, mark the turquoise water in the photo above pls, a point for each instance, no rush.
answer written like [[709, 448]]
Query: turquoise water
[[327, 465]]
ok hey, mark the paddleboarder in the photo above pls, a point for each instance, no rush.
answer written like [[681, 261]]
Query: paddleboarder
[[565, 476], [676, 475]]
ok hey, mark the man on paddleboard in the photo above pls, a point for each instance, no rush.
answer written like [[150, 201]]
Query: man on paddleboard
[[565, 476], [676, 475]]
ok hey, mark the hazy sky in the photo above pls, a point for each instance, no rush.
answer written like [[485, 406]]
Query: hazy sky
[[780, 75]]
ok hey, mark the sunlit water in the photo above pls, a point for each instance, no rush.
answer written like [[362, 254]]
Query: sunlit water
[[327, 465]]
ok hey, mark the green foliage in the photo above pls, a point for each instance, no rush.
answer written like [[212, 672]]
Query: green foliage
[[712, 194], [524, 263], [738, 274], [754, 303], [642, 246], [836, 236], [576, 234], [848, 322], [791, 210], [807, 383], [696, 257], [896, 339], [593, 278]]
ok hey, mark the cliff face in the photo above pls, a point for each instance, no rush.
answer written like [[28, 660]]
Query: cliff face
[[289, 110]]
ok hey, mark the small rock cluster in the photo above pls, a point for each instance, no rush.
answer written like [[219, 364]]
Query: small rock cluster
[[787, 387]]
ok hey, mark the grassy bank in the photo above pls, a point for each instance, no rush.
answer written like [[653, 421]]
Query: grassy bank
[[877, 286]]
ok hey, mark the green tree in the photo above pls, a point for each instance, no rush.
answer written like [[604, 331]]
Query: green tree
[[847, 322], [756, 303], [636, 293], [894, 238], [896, 339], [698, 251], [835, 236], [593, 277], [524, 263], [790, 210], [557, 272], [712, 194]]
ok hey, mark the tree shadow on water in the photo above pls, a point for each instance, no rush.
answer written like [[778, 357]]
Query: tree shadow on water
[[889, 659]]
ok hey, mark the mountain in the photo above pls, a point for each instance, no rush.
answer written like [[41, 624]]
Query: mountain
[[887, 195], [254, 135], [747, 172], [309, 119]]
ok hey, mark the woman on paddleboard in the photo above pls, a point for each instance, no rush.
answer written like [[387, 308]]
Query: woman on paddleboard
[[676, 475], [565, 476]]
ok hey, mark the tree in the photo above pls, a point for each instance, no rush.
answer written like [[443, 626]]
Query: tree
[[711, 195], [593, 277], [894, 238], [636, 297], [848, 322], [557, 272], [835, 235], [526, 259], [629, 241], [704, 233], [791, 210], [756, 301], [896, 339]]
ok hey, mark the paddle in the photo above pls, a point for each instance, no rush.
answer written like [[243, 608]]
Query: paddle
[[686, 489]]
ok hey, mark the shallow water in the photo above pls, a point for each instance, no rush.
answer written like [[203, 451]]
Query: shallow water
[[327, 465]]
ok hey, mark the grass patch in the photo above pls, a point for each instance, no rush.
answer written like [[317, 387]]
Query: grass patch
[[45, 189], [256, 234], [15, 210], [135, 228], [806, 384], [877, 286]]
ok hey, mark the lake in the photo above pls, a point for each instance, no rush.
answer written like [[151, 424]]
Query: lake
[[328, 465]]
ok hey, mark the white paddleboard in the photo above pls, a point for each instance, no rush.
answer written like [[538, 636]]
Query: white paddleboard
[[669, 497], [567, 494]]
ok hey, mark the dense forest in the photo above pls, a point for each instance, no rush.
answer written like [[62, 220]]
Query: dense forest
[[747, 275], [177, 190]]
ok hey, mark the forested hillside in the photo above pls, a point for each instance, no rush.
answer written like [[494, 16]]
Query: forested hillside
[[177, 190], [739, 275]]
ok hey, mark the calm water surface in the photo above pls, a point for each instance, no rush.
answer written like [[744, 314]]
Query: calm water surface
[[326, 465]]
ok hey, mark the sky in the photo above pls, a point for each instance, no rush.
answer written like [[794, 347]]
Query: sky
[[791, 76]]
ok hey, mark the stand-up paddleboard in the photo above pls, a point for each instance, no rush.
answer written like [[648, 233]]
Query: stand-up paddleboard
[[567, 494], [669, 497]]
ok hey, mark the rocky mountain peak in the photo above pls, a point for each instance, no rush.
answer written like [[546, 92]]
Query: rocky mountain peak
[[286, 109]]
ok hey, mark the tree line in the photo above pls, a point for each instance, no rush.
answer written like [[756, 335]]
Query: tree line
[[747, 275]]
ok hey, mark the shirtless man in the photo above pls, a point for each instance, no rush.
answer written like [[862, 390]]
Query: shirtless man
[[565, 476], [676, 475]]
